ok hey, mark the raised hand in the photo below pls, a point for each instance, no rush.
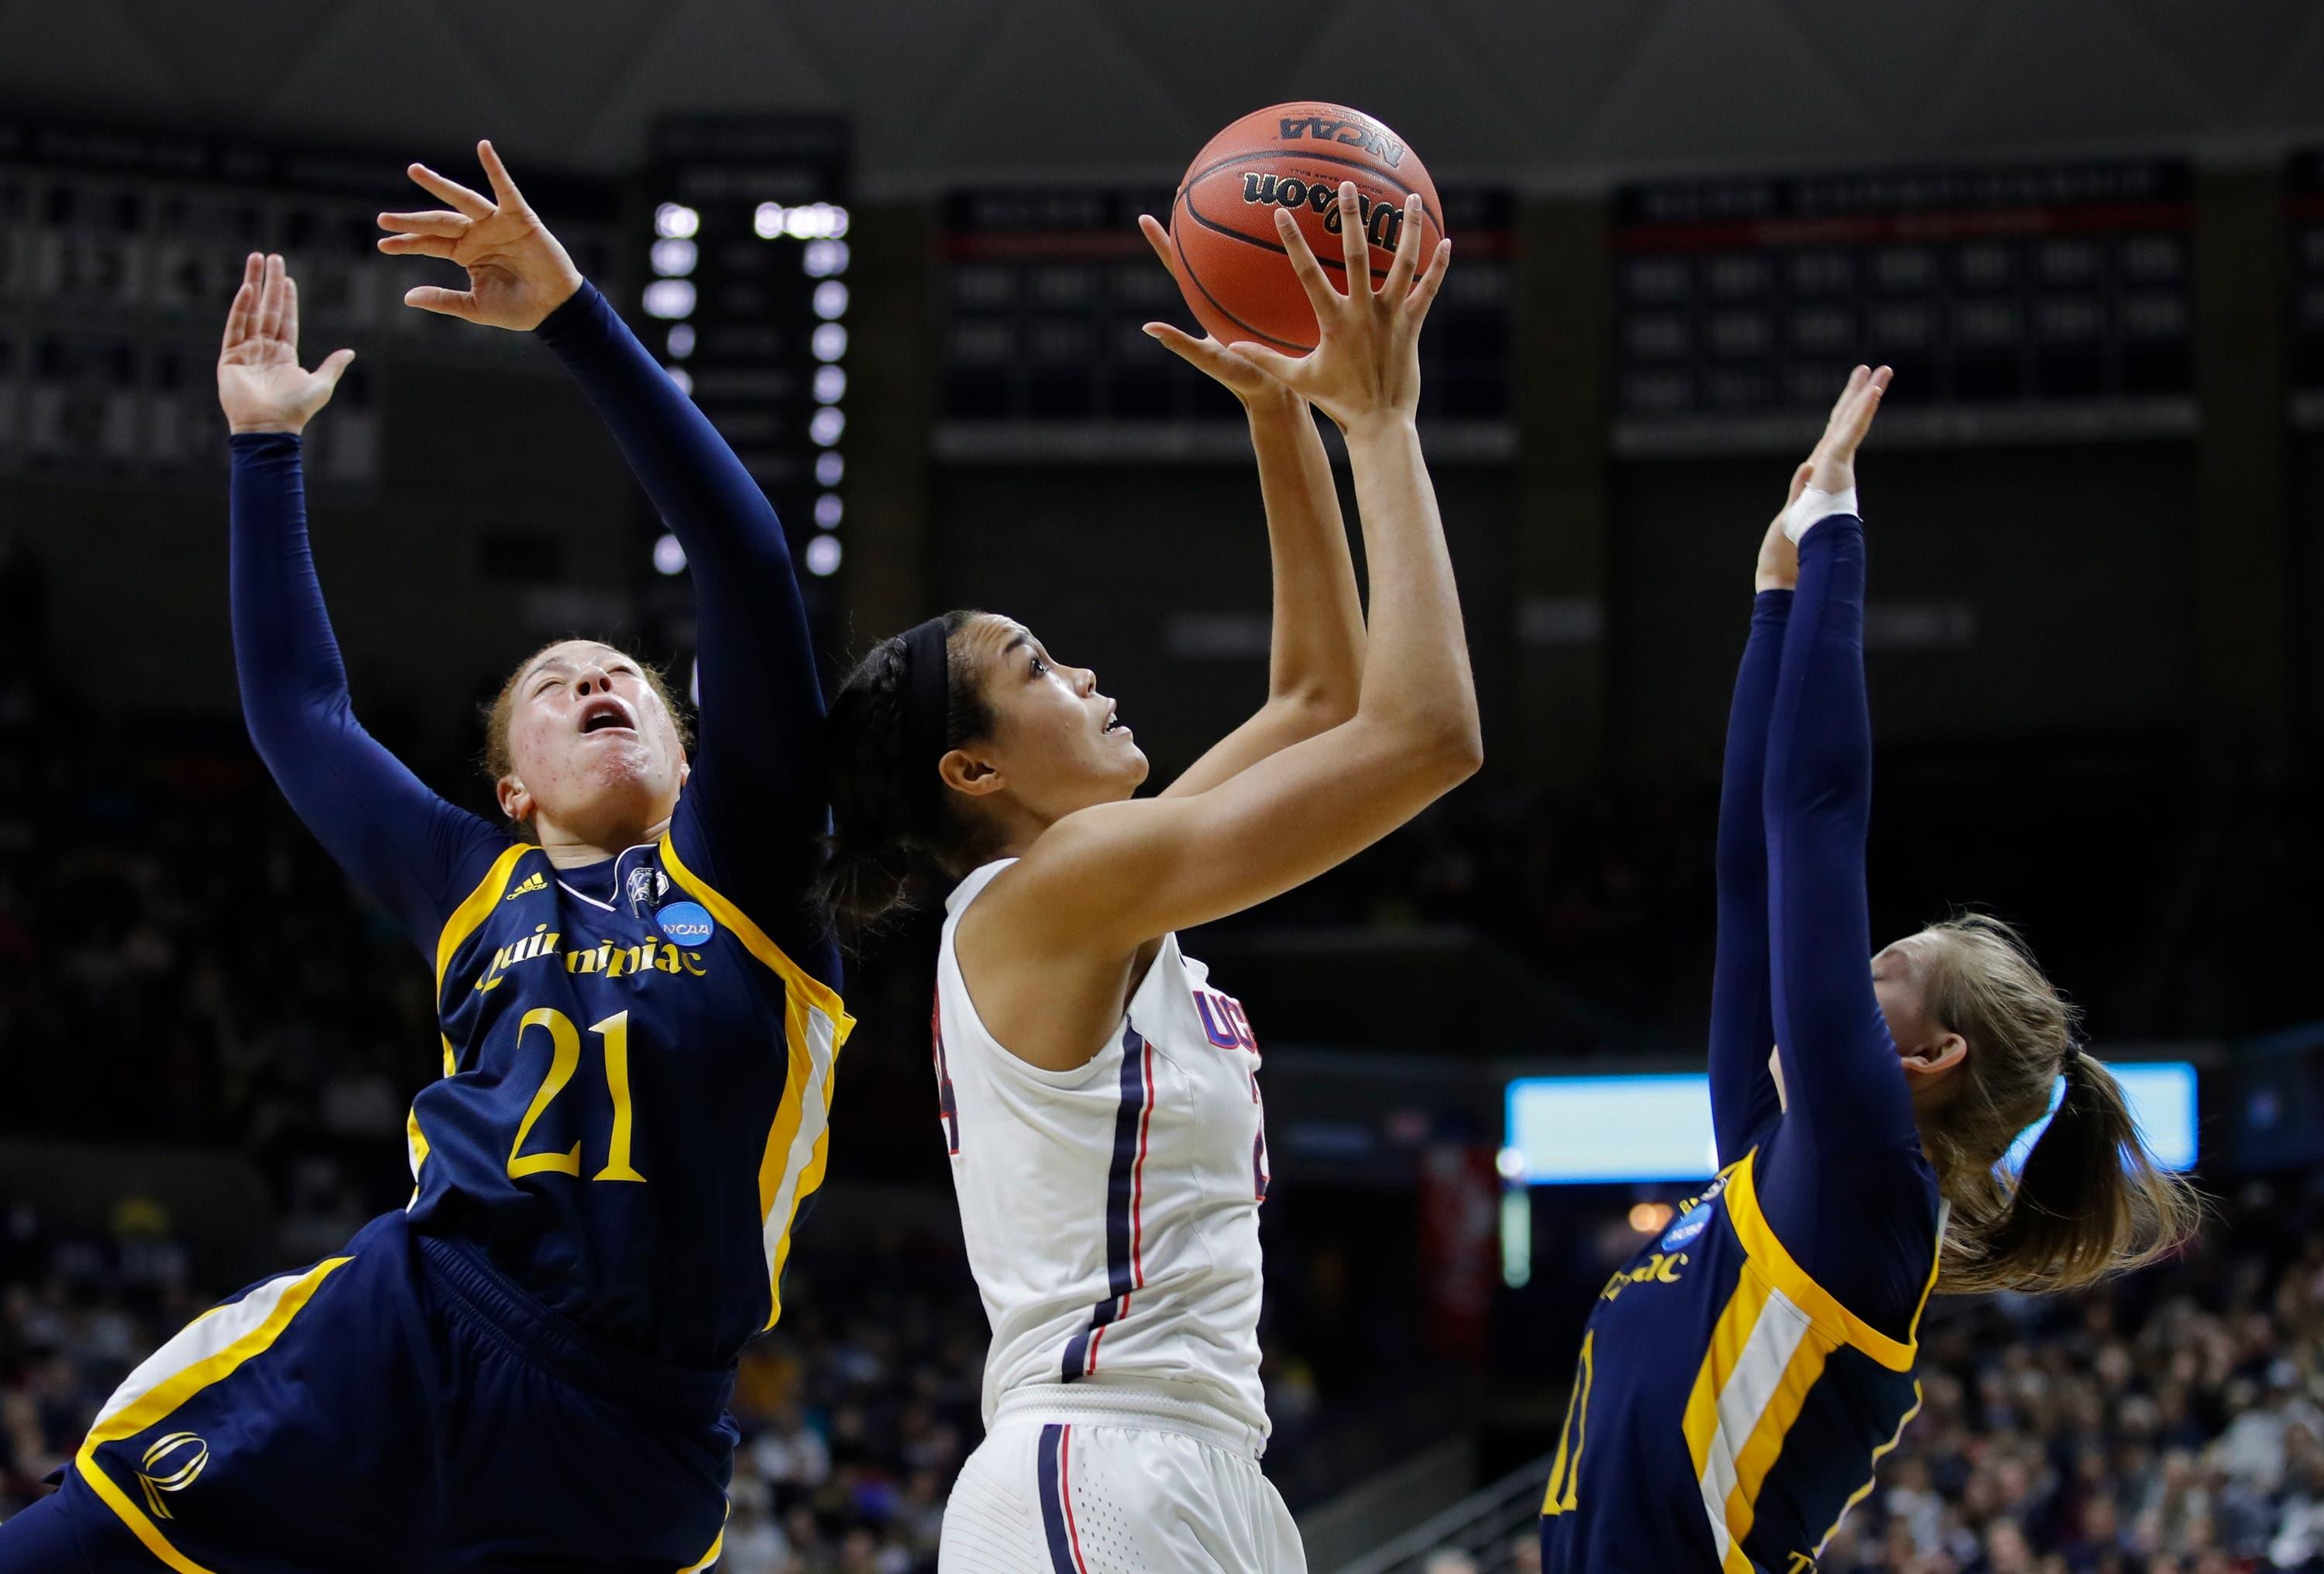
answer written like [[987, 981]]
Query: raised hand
[[1366, 363], [260, 385], [1244, 378], [1832, 467], [518, 274]]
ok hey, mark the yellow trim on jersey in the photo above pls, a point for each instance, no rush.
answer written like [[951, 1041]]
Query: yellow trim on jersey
[[174, 1391], [1768, 1256], [471, 914], [754, 939], [816, 1027], [1878, 1454], [1765, 1443], [1565, 1472], [717, 1544], [1714, 1469]]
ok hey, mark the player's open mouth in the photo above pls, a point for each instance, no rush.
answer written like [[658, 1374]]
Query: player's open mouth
[[1114, 723], [607, 714]]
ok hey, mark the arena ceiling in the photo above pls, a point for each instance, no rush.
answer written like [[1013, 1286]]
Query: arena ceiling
[[1547, 92]]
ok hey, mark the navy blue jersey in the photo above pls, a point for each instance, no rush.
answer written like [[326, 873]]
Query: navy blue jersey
[[635, 1098], [1727, 1410], [1739, 1379], [637, 1054]]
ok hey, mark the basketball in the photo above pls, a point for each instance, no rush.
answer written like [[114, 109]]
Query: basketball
[[1224, 248]]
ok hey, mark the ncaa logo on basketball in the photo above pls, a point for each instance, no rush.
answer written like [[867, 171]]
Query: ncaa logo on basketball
[[1693, 1222], [687, 922], [171, 1465]]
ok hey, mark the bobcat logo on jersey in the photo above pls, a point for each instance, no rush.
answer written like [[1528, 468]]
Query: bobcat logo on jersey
[[171, 1465], [646, 886]]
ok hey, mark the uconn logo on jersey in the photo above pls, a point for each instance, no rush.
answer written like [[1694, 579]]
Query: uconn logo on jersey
[[1223, 1021], [1226, 1026]]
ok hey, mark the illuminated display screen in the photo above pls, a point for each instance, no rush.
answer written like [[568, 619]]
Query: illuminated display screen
[[1595, 1130]]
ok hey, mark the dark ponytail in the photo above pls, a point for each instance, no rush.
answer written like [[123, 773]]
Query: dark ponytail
[[885, 825], [2090, 1200]]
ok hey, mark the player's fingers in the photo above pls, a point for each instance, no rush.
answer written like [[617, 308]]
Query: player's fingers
[[435, 222], [459, 303], [1207, 356], [237, 319], [334, 367], [1423, 294], [1272, 363], [418, 246], [242, 315], [1859, 421], [1407, 261], [289, 327], [451, 192], [1354, 250], [1157, 238], [1321, 294], [1854, 411], [270, 301], [503, 183], [1856, 381]]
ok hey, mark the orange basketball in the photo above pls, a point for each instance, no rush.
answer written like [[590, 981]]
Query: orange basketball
[[1224, 248]]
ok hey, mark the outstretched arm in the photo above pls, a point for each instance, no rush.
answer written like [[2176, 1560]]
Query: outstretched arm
[[1846, 1096], [416, 853], [1742, 1015], [1102, 881], [755, 797], [1315, 655]]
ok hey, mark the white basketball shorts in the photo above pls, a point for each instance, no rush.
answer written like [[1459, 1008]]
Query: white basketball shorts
[[1058, 1497]]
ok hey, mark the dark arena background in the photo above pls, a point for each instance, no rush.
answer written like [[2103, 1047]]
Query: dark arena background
[[889, 247]]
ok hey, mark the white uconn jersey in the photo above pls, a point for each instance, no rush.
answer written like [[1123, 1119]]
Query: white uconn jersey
[[1112, 1212]]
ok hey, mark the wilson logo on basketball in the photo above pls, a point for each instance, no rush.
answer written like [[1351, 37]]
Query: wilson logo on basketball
[[171, 1465], [1354, 134], [1383, 221]]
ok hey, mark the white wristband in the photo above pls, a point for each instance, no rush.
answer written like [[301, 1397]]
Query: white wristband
[[1814, 504]]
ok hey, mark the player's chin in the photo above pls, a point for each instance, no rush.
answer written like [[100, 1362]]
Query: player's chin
[[1133, 769]]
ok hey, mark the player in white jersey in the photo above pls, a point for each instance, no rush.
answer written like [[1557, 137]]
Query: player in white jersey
[[1100, 1099]]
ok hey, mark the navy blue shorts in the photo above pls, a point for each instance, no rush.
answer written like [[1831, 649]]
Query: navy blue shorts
[[399, 1408]]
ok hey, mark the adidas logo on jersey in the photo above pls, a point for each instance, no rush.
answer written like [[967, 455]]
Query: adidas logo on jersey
[[535, 881]]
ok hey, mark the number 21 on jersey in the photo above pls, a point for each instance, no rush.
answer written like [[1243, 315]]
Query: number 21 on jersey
[[563, 1058]]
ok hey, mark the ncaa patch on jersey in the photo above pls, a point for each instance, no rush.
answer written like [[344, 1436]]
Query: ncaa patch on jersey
[[1692, 1223], [687, 922]]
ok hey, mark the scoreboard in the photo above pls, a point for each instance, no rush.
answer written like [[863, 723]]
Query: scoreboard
[[1045, 294], [120, 250], [2022, 301], [746, 300]]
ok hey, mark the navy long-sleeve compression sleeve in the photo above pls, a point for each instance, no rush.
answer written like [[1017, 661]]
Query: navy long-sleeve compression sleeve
[[755, 799], [418, 855], [1849, 1188], [1742, 1007]]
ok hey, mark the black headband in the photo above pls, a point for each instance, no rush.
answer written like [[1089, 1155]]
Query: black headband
[[927, 710]]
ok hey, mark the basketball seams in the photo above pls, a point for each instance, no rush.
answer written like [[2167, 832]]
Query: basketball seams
[[1187, 265]]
